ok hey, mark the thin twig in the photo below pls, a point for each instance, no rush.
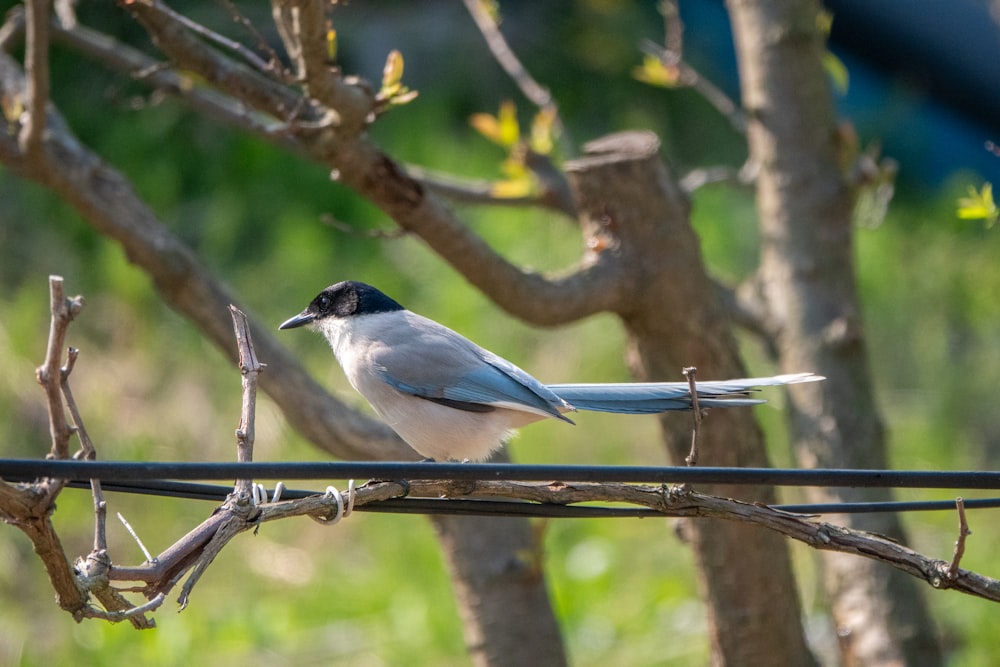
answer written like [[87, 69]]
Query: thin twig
[[246, 54], [673, 29], [235, 524], [347, 102], [87, 451], [690, 77], [539, 95], [12, 30], [274, 64], [250, 369], [690, 372], [36, 66], [49, 374], [159, 75], [963, 532], [126, 614]]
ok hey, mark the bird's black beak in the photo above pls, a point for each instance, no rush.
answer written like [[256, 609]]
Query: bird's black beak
[[302, 319]]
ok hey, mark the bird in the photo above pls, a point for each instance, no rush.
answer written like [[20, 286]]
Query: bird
[[451, 399]]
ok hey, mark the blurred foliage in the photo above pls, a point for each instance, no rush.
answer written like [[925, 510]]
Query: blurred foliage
[[373, 590]]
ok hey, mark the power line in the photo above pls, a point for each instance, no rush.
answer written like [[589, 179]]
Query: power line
[[26, 469], [470, 507]]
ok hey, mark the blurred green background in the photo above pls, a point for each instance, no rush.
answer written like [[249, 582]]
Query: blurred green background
[[373, 590]]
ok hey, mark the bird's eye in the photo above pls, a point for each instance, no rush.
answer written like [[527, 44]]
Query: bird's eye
[[324, 303]]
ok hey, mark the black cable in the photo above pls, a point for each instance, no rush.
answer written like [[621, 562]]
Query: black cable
[[27, 469], [470, 507]]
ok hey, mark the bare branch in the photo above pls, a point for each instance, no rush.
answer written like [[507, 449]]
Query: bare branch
[[134, 63], [36, 65], [274, 61], [673, 28], [237, 521], [963, 532], [246, 54], [672, 57], [235, 79], [12, 30], [87, 452], [49, 374], [250, 368], [128, 614], [303, 27]]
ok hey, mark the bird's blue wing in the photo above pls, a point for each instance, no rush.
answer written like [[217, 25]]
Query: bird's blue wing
[[457, 373]]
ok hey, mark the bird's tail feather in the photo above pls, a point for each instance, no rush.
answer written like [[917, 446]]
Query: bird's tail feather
[[654, 397]]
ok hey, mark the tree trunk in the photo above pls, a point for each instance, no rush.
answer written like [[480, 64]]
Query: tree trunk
[[500, 591], [630, 205], [807, 281]]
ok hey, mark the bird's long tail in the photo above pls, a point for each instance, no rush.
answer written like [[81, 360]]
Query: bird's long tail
[[653, 397]]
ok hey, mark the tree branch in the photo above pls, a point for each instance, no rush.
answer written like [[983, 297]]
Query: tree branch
[[36, 65], [50, 374], [357, 163], [121, 57]]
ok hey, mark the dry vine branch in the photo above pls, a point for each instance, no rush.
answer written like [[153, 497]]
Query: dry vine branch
[[671, 501], [29, 506]]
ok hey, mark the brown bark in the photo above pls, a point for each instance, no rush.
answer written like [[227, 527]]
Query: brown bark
[[807, 280], [501, 592], [631, 206]]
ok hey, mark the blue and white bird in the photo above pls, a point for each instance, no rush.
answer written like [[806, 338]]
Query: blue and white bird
[[448, 398]]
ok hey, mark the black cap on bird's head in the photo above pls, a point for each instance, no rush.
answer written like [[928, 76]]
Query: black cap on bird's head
[[344, 299]]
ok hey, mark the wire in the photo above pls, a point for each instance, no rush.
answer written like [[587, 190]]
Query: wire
[[469, 507], [27, 469]]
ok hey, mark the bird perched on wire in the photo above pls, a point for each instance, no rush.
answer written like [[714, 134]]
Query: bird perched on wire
[[448, 398]]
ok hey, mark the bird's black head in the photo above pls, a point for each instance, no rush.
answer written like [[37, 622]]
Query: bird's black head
[[343, 300]]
